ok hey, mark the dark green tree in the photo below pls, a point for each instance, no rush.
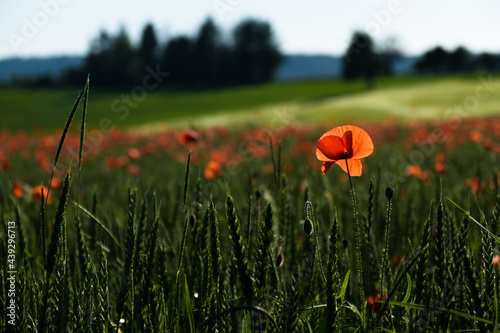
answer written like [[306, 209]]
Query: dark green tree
[[148, 47], [124, 64], [98, 60], [434, 61], [111, 60], [361, 60], [255, 54], [461, 60], [207, 54], [488, 61], [178, 59]]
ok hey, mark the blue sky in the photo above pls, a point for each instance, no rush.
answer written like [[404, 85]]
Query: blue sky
[[50, 27]]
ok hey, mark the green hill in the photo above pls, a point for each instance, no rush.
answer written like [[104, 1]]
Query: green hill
[[333, 100]]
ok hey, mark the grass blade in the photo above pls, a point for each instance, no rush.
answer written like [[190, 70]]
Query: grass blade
[[84, 120], [344, 287], [408, 289], [96, 220], [189, 308], [495, 237], [452, 312], [64, 133], [68, 124]]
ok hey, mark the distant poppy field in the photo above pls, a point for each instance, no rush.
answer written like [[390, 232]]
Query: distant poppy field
[[330, 227]]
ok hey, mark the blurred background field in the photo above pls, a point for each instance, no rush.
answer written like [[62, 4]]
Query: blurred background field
[[241, 64], [399, 98]]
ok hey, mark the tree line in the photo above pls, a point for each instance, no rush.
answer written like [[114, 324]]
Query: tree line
[[250, 56], [439, 60], [363, 59]]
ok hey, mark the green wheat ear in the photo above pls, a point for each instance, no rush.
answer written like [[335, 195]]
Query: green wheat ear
[[127, 281], [56, 260], [65, 132], [102, 308], [262, 264], [215, 252], [58, 227], [440, 254], [238, 249], [422, 282], [149, 290], [332, 277]]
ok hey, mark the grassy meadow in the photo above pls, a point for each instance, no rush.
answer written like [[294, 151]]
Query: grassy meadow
[[208, 211], [402, 98]]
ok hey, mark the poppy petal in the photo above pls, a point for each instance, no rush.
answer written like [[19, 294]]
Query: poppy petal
[[347, 139], [362, 144], [330, 148], [320, 156], [337, 131], [355, 167], [325, 166]]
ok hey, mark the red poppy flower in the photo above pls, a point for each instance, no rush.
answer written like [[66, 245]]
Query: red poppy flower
[[374, 302], [344, 146], [440, 167], [37, 193], [476, 185], [414, 170], [212, 170], [134, 153], [6, 165], [188, 136], [440, 158], [134, 170], [56, 183], [17, 189], [476, 136]]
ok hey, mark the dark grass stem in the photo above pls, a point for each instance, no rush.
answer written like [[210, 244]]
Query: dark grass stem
[[186, 180]]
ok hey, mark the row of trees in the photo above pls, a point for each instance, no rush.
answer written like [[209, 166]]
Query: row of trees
[[438, 60], [249, 56], [364, 60]]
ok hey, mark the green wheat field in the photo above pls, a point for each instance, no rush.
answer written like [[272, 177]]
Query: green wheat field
[[209, 213]]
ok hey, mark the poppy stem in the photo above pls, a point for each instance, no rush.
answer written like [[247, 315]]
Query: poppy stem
[[384, 280], [361, 288]]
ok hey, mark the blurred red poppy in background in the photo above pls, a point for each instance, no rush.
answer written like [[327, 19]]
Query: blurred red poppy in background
[[17, 189], [37, 193]]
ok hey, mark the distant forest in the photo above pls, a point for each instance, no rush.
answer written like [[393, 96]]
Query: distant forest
[[250, 54], [365, 60]]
